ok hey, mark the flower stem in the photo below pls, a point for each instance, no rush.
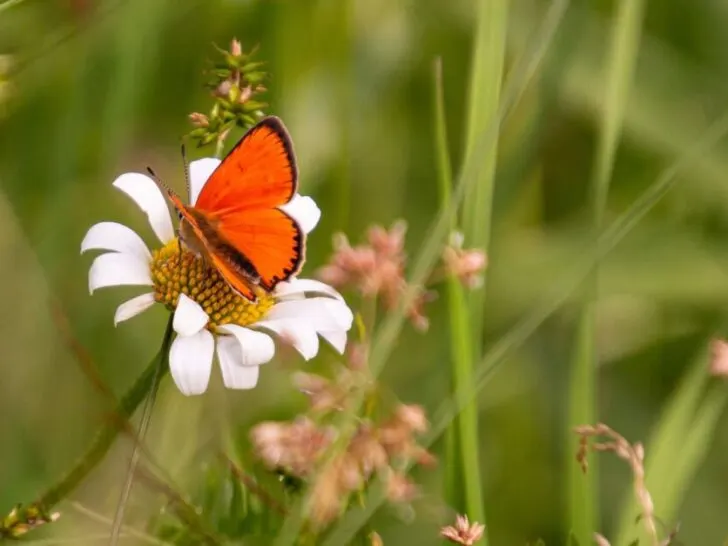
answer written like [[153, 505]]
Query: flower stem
[[105, 437]]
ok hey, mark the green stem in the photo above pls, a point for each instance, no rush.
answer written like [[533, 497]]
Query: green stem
[[105, 437], [460, 435], [486, 78], [485, 89], [622, 57]]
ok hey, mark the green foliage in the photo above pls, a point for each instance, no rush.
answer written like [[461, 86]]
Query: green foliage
[[99, 88]]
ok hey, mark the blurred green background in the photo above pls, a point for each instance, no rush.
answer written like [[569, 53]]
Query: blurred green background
[[101, 87]]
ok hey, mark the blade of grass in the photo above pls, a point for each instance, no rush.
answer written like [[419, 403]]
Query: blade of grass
[[583, 511], [350, 525], [485, 88], [462, 455], [467, 319], [645, 121]]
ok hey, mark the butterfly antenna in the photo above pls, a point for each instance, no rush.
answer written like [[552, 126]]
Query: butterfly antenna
[[187, 172], [157, 180]]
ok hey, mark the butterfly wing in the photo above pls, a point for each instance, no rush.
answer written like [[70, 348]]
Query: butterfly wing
[[260, 171], [271, 240], [241, 198]]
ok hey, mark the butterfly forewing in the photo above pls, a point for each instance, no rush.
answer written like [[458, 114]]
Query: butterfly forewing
[[260, 171]]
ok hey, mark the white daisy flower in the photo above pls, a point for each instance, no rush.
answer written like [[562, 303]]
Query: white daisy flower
[[207, 312]]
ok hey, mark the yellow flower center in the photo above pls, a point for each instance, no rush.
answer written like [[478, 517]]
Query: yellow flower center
[[176, 272]]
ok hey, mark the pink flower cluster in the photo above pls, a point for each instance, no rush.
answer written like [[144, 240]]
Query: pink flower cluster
[[376, 269]]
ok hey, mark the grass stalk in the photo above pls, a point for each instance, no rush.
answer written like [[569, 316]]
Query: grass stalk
[[463, 476], [467, 316], [622, 57]]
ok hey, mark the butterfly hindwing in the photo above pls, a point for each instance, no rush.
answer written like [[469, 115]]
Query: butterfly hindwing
[[233, 277], [234, 267], [272, 241]]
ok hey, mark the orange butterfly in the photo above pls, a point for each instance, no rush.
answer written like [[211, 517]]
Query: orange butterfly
[[236, 223]]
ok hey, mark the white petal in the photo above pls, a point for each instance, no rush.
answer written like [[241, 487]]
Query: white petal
[[336, 338], [190, 362], [300, 286], [115, 269], [303, 210], [133, 307], [297, 332], [145, 193], [324, 314], [189, 317], [116, 237], [256, 348], [200, 171], [235, 375]]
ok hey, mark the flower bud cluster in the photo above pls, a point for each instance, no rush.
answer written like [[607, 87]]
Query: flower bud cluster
[[235, 83]]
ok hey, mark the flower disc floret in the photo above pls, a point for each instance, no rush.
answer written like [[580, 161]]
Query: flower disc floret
[[176, 271]]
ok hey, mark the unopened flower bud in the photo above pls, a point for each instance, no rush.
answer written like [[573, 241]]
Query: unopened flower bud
[[199, 120], [223, 89], [236, 48]]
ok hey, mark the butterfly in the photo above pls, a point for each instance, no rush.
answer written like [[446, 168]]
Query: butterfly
[[236, 223]]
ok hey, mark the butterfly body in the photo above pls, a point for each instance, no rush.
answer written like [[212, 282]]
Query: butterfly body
[[202, 236], [236, 223]]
